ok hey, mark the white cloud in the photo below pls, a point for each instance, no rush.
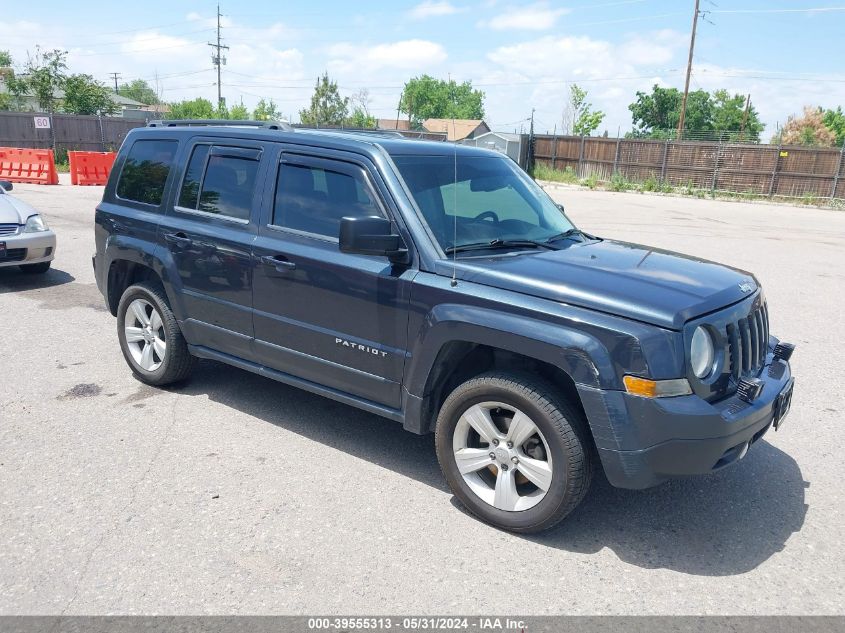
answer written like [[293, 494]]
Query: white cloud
[[433, 9], [537, 73], [535, 17], [406, 55]]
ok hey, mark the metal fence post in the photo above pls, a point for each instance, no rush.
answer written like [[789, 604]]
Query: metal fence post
[[838, 172], [616, 155], [581, 158], [102, 133], [775, 171], [716, 170], [554, 146], [663, 166]]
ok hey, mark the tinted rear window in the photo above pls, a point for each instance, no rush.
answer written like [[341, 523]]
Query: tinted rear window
[[220, 181], [145, 171]]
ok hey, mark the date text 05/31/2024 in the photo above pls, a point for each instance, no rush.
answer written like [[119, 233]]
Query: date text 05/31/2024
[[416, 623]]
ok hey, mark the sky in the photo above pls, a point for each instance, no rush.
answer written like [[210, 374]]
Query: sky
[[523, 54]]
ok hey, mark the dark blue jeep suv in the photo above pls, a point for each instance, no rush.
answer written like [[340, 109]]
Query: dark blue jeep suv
[[436, 285]]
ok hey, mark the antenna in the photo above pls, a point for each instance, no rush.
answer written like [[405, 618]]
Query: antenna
[[454, 281]]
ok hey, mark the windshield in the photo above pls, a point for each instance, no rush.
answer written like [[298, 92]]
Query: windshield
[[491, 201]]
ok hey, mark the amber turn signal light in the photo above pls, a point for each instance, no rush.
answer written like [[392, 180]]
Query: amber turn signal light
[[648, 388]]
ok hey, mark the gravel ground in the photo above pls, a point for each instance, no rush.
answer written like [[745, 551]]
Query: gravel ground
[[236, 494]]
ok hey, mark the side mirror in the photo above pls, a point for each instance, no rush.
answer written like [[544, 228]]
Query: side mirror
[[6, 185], [371, 235]]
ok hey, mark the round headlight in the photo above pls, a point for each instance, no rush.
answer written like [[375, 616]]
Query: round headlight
[[702, 353]]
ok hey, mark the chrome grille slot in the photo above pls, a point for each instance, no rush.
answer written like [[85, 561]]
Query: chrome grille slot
[[8, 229]]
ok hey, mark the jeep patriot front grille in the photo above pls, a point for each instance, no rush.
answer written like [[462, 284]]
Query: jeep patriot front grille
[[748, 340]]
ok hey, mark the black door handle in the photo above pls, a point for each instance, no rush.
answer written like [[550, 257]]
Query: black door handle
[[281, 265], [178, 239]]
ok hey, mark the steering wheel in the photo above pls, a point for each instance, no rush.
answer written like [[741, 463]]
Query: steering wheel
[[491, 215]]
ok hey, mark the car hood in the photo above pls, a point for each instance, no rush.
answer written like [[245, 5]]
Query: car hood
[[638, 282], [14, 211]]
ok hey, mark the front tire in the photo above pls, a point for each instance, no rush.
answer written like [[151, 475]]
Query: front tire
[[149, 336], [513, 451]]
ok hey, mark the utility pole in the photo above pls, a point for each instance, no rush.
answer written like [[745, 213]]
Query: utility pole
[[218, 60], [689, 72], [115, 76], [745, 117]]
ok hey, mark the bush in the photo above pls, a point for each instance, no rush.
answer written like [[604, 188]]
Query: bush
[[590, 181], [619, 183], [544, 172]]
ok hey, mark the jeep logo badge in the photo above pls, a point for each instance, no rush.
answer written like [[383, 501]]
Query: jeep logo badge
[[746, 287]]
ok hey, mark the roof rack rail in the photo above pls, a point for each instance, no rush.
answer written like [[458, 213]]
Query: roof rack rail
[[270, 125], [362, 132]]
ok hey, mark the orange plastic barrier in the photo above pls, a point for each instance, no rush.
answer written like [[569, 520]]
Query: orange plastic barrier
[[90, 168], [28, 165]]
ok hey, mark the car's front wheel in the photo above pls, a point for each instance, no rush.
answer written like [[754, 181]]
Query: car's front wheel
[[149, 335], [513, 452]]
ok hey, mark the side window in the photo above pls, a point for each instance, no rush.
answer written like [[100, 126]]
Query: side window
[[220, 181], [145, 171], [314, 200]]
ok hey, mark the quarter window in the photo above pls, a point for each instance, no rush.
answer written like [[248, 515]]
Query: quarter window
[[220, 181], [313, 199], [145, 171]]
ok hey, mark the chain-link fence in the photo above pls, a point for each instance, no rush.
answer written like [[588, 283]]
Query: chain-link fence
[[816, 173]]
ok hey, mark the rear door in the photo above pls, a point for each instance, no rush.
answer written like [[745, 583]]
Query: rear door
[[333, 318], [208, 233]]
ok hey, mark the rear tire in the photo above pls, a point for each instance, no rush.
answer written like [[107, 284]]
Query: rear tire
[[149, 336], [36, 269], [533, 467]]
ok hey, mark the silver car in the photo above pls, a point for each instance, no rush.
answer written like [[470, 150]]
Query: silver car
[[25, 240]]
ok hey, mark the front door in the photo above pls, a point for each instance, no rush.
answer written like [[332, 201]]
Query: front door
[[335, 319], [208, 232]]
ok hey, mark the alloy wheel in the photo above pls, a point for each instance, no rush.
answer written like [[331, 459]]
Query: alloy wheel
[[502, 456], [145, 338]]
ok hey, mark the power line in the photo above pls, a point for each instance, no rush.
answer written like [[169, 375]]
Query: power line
[[815, 10]]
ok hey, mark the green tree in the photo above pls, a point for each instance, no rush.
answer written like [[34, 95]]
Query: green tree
[[18, 88], [239, 112], [657, 112], [5, 59], [360, 116], [428, 98], [834, 120], [198, 108], [360, 119], [139, 90], [708, 117], [327, 106], [728, 114], [85, 95], [45, 76], [579, 117], [266, 111]]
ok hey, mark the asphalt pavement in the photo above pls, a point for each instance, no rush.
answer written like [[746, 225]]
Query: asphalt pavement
[[236, 494]]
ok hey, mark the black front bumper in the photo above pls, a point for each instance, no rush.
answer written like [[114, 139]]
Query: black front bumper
[[643, 442]]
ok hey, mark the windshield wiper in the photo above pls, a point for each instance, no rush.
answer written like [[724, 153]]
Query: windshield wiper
[[498, 244], [569, 233]]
